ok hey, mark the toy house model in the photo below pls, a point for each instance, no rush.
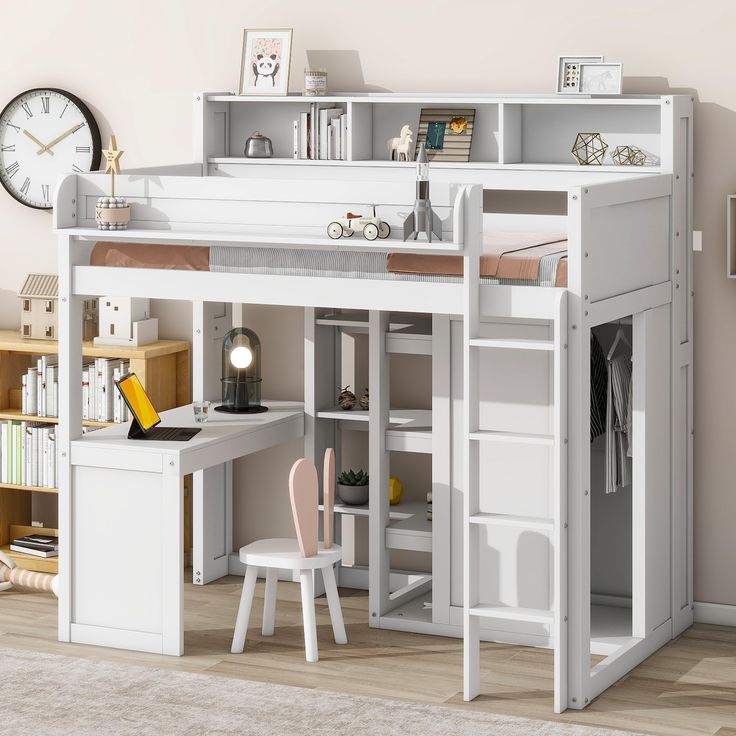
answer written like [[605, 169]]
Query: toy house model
[[39, 297], [126, 321]]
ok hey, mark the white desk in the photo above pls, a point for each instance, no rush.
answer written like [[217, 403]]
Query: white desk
[[126, 541]]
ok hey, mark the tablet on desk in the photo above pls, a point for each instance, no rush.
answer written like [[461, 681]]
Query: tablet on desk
[[145, 417]]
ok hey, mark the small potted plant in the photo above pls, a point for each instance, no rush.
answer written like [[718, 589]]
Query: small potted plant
[[352, 487]]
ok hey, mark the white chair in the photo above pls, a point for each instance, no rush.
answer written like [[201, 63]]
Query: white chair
[[305, 554]]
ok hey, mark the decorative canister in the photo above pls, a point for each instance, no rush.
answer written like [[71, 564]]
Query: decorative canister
[[315, 82], [258, 146], [112, 213]]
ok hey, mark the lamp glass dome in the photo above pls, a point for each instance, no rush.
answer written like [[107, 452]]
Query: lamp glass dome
[[241, 372]]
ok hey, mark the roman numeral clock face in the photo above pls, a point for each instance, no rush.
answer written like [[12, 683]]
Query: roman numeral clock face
[[45, 133]]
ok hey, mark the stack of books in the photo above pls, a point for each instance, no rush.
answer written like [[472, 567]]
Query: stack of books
[[28, 454], [321, 134], [101, 402], [38, 545]]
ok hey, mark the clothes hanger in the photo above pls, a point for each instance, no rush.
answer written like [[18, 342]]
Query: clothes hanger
[[620, 336]]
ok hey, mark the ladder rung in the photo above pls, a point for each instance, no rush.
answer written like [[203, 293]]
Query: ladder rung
[[521, 522], [511, 343], [512, 613], [485, 435]]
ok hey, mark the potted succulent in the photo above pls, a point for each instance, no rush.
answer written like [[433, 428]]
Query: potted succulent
[[352, 487]]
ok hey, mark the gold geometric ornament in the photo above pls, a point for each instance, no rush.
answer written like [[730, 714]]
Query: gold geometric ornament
[[589, 149], [628, 156]]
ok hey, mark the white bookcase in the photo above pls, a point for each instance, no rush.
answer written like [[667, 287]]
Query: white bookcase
[[511, 132]]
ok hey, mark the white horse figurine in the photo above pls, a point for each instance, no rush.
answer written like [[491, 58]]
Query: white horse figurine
[[401, 148]]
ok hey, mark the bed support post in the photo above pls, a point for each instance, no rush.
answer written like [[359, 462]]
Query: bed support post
[[378, 467], [212, 488], [578, 487], [70, 415]]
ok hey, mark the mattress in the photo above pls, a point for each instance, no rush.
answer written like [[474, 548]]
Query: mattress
[[528, 260]]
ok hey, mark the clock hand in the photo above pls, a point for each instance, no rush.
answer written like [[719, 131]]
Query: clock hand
[[38, 142], [49, 146]]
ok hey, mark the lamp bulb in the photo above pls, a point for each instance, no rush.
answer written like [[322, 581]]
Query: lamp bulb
[[241, 357]]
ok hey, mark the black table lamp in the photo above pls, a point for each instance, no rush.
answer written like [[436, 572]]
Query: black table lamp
[[241, 373]]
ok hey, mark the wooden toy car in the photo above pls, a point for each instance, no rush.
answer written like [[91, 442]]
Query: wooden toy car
[[372, 227]]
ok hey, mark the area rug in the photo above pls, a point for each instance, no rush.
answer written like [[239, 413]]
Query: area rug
[[56, 695]]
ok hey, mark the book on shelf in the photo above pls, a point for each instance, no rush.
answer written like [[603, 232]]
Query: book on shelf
[[316, 138], [40, 389], [38, 545], [28, 455]]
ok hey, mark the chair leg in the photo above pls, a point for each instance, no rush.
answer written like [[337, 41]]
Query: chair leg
[[333, 601], [246, 601], [269, 601], [308, 613]]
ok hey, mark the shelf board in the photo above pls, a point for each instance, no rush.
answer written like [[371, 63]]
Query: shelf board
[[306, 237], [454, 98], [513, 613], [480, 165], [31, 562], [398, 512], [408, 418], [402, 439], [521, 438], [31, 489], [520, 522], [12, 342], [510, 343], [17, 415]]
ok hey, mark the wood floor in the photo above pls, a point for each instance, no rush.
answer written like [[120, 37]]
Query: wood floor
[[687, 688]]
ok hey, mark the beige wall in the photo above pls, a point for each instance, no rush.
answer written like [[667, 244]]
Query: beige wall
[[137, 72]]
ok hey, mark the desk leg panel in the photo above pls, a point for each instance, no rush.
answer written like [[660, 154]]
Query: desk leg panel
[[127, 548]]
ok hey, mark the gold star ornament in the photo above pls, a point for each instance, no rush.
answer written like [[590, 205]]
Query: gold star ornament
[[112, 161]]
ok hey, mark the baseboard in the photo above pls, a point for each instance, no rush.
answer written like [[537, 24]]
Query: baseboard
[[715, 613]]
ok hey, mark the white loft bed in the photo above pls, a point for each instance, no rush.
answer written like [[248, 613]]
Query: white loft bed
[[625, 254]]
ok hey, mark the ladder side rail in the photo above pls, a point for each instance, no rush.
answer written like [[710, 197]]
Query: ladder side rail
[[472, 232], [559, 510]]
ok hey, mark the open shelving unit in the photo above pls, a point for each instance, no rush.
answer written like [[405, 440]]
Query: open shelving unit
[[512, 132], [162, 366], [406, 528]]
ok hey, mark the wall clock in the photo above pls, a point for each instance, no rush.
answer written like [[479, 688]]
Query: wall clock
[[45, 133]]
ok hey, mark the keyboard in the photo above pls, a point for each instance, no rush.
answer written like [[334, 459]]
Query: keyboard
[[170, 434]]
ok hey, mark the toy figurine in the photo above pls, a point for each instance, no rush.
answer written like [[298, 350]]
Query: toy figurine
[[401, 148], [423, 218]]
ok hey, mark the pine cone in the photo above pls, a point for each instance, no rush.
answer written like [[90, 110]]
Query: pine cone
[[364, 400], [346, 400]]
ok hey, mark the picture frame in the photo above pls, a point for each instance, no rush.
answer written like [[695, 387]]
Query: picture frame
[[568, 72], [265, 61], [447, 133], [601, 78]]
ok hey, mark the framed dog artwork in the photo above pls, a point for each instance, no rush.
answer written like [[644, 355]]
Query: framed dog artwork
[[264, 69]]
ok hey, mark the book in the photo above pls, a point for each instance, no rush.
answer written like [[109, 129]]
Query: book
[[38, 545], [303, 135], [24, 394], [32, 391], [326, 116], [296, 139], [313, 130], [344, 136]]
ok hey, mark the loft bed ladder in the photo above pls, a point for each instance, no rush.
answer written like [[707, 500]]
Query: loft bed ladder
[[474, 609]]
